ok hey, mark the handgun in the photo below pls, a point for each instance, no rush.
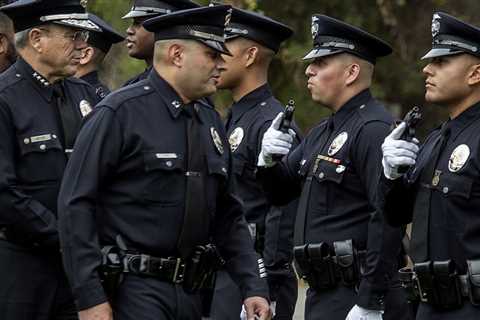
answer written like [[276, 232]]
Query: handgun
[[286, 123], [411, 119]]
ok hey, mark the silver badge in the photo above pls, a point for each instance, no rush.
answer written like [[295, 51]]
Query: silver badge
[[315, 27], [435, 25], [235, 138], [217, 140], [85, 108], [458, 158], [337, 143], [84, 3], [176, 104]]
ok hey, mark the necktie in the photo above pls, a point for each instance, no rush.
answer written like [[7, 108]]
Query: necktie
[[196, 222], [70, 120], [421, 211], [300, 221]]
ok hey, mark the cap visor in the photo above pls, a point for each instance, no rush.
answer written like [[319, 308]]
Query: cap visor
[[137, 14], [316, 53], [217, 46], [440, 52], [79, 24]]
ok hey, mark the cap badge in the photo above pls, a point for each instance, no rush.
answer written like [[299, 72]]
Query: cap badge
[[217, 140], [458, 158], [235, 138], [84, 3], [435, 25], [228, 17], [337, 143], [85, 108], [315, 27]]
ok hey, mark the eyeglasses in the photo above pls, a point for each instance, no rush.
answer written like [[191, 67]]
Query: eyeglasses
[[77, 36]]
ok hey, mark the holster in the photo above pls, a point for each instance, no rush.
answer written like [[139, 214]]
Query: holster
[[474, 281], [111, 270], [201, 267], [316, 265], [347, 262]]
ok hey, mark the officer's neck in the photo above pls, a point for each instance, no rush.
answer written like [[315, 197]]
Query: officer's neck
[[249, 82], [344, 96]]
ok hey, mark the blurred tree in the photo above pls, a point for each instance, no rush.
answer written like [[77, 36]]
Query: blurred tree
[[399, 81]]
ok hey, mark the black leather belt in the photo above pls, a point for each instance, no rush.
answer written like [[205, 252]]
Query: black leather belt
[[169, 269]]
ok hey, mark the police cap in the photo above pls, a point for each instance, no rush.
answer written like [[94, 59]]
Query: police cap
[[332, 36], [452, 36], [259, 28], [103, 40], [204, 24], [152, 8], [26, 14]]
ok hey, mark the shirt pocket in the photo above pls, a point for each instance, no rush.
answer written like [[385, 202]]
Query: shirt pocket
[[329, 172], [42, 159], [454, 185], [165, 174]]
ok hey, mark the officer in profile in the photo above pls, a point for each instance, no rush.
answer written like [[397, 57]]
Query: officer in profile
[[140, 42], [439, 194], [343, 249], [94, 53], [40, 113], [151, 178], [253, 41], [8, 54]]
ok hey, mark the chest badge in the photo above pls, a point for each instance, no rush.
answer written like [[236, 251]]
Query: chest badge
[[337, 143], [458, 158], [236, 138], [85, 108], [217, 140]]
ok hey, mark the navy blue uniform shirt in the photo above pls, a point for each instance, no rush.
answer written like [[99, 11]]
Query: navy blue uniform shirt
[[138, 77], [32, 152], [343, 156], [249, 118], [127, 177], [92, 79]]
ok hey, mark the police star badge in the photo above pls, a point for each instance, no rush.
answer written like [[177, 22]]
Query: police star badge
[[85, 108], [435, 25], [458, 158], [84, 3], [337, 143], [235, 138], [217, 141]]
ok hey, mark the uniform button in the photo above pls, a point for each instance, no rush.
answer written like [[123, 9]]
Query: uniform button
[[43, 147], [146, 88], [321, 175], [54, 136], [26, 141], [224, 170], [263, 104], [169, 163], [18, 75], [445, 190], [362, 106]]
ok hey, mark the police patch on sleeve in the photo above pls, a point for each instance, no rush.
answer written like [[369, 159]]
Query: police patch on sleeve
[[85, 108], [458, 158], [217, 140], [235, 138], [337, 143]]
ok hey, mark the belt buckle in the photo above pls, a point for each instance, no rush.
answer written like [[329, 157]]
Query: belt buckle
[[179, 273]]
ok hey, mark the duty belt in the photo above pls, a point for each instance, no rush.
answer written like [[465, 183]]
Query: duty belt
[[169, 269]]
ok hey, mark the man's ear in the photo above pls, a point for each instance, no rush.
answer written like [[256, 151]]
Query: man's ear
[[35, 38], [176, 54], [87, 55], [474, 75], [251, 54], [352, 73], [3, 44]]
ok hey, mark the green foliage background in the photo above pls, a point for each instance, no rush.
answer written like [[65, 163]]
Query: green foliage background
[[399, 82]]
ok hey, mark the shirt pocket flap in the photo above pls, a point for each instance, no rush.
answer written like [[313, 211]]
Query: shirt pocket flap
[[163, 161], [40, 144]]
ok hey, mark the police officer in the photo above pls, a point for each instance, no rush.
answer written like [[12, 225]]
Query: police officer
[[94, 53], [440, 192], [253, 41], [40, 113], [151, 170], [8, 54], [344, 249], [140, 42]]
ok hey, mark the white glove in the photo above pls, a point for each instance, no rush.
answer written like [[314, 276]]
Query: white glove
[[359, 313], [275, 142], [398, 153]]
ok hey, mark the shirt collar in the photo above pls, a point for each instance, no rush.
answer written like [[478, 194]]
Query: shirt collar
[[463, 119], [344, 112], [91, 78], [39, 82], [170, 97], [249, 101]]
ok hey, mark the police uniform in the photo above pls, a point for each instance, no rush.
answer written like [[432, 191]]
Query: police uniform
[[34, 147], [271, 227], [130, 177], [335, 171], [441, 193], [150, 9], [102, 41]]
